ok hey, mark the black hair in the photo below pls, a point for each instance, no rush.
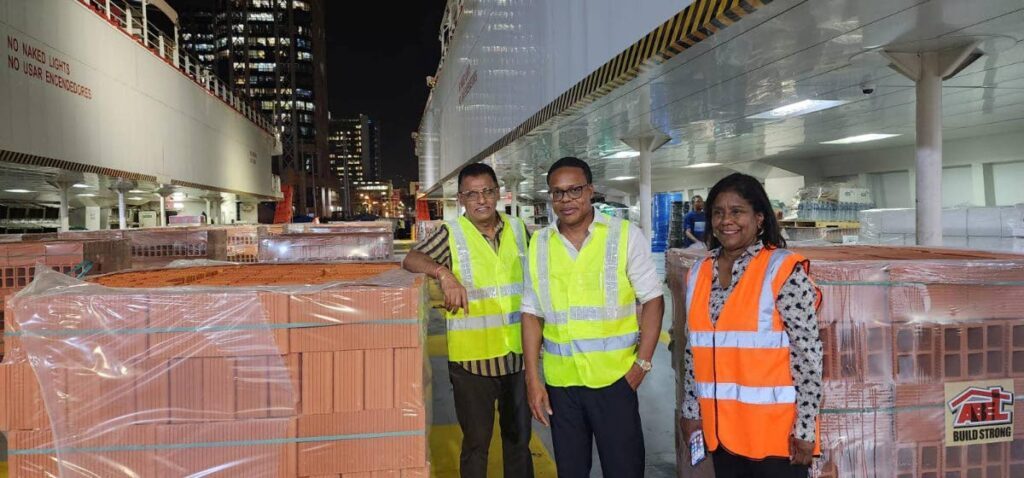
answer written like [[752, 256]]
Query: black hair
[[748, 188], [571, 162], [477, 169], [696, 197]]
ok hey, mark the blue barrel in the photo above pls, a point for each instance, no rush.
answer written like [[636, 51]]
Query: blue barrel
[[661, 215]]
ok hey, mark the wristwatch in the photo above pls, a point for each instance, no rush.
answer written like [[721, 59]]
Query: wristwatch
[[645, 365]]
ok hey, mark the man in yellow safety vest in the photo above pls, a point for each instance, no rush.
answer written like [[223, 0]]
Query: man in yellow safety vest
[[586, 274], [480, 260]]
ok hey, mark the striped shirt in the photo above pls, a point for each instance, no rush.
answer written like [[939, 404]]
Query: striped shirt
[[436, 247]]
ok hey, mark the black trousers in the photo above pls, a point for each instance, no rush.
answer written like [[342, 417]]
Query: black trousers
[[611, 415], [728, 465], [474, 406]]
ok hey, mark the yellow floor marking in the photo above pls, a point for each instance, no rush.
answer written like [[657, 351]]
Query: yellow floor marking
[[446, 443], [437, 345], [3, 469], [664, 338]]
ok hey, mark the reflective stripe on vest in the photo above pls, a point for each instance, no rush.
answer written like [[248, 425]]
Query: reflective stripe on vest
[[484, 321], [590, 313], [748, 340], [744, 394], [591, 345], [491, 325]]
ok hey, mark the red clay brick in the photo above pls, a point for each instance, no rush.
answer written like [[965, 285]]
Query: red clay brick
[[233, 460], [186, 390], [31, 465], [317, 383], [285, 386], [153, 391], [275, 309], [409, 379], [349, 380], [219, 388], [919, 460], [351, 456], [380, 379], [252, 387], [355, 337], [916, 352]]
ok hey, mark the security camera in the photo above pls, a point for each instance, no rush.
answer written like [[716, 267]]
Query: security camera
[[867, 87]]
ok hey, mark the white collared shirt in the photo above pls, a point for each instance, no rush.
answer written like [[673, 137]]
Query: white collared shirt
[[643, 275]]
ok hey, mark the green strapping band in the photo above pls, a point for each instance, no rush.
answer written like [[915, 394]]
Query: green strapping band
[[198, 329], [906, 408], [215, 444], [915, 284]]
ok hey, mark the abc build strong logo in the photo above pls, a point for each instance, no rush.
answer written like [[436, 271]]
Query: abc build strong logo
[[979, 412]]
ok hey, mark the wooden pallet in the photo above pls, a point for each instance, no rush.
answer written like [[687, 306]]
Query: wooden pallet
[[839, 224]]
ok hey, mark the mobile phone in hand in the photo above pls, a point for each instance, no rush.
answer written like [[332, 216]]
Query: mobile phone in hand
[[697, 453]]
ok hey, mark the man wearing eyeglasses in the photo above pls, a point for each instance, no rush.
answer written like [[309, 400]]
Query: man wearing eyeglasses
[[480, 261], [586, 274]]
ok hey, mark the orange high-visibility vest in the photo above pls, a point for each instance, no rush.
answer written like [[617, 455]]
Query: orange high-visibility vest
[[741, 362]]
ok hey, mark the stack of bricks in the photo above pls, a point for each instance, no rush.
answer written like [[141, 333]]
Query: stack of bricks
[[302, 376], [18, 262], [243, 244], [897, 324], [327, 247], [159, 246]]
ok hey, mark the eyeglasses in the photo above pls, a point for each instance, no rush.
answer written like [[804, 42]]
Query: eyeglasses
[[489, 193], [574, 192]]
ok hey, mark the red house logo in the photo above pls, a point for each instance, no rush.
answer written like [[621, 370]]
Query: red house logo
[[978, 406]]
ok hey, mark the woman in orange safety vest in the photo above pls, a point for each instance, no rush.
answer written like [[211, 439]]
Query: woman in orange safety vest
[[753, 360]]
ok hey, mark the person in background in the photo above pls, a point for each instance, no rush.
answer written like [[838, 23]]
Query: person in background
[[694, 223], [587, 272], [752, 373], [479, 260]]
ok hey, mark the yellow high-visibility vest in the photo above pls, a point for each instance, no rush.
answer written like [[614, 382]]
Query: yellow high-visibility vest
[[494, 283], [589, 305]]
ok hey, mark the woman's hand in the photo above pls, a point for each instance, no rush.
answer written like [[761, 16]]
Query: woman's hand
[[800, 452]]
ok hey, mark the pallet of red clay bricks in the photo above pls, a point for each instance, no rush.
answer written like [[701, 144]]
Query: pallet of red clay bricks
[[898, 324], [18, 261], [304, 370], [334, 242], [158, 247]]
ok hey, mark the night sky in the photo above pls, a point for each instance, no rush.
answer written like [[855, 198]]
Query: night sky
[[378, 57]]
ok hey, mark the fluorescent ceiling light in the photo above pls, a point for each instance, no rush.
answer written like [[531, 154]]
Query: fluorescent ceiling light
[[623, 155], [799, 108], [87, 195], [136, 191], [543, 191], [861, 138], [703, 165], [623, 178], [18, 190], [136, 198], [81, 186]]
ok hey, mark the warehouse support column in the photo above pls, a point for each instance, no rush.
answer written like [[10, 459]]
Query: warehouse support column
[[928, 66], [64, 184], [929, 152], [65, 223], [646, 145], [512, 181], [165, 192], [122, 187], [646, 199]]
